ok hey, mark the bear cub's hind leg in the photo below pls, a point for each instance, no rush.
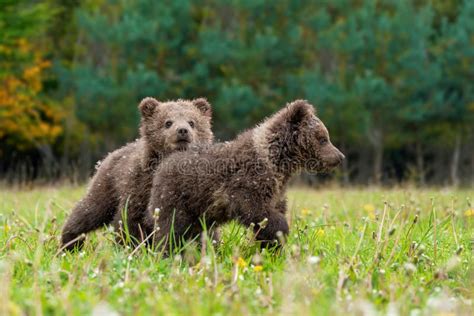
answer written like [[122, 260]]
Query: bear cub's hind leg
[[95, 210]]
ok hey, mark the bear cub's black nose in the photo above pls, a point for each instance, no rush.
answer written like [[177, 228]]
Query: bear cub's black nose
[[182, 131]]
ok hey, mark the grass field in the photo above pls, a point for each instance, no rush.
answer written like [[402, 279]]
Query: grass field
[[351, 251]]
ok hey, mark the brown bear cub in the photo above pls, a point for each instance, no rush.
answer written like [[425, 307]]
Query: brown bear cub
[[124, 178], [243, 180]]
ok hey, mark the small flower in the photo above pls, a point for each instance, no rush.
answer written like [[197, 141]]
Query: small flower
[[241, 262], [257, 259], [258, 268], [410, 268], [320, 232], [469, 213], [370, 209], [314, 260], [7, 228], [305, 212]]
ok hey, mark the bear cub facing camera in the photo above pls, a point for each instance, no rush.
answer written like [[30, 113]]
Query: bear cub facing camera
[[124, 178], [243, 180]]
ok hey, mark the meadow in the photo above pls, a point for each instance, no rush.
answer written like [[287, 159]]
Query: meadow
[[360, 251]]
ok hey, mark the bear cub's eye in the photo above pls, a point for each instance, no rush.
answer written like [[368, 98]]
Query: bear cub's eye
[[168, 124], [323, 141], [191, 123]]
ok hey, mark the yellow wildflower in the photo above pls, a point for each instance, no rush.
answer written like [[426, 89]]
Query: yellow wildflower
[[6, 228], [241, 262], [320, 232], [258, 268], [370, 209], [468, 213], [305, 212]]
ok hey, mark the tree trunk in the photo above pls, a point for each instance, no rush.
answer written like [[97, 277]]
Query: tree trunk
[[345, 168], [49, 163], [472, 167], [376, 138], [455, 160], [378, 164], [420, 164], [471, 150], [65, 158]]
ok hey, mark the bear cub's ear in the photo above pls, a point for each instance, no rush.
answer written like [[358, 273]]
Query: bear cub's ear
[[203, 106], [298, 111], [147, 106]]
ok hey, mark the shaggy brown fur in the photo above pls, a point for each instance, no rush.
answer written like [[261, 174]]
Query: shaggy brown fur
[[124, 178], [242, 180]]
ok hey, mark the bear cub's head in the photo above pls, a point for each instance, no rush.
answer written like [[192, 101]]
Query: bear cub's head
[[307, 139], [175, 125]]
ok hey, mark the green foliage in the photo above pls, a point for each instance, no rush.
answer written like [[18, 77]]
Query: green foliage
[[382, 74], [455, 52], [28, 118]]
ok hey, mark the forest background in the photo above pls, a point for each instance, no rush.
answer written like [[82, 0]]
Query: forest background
[[392, 80]]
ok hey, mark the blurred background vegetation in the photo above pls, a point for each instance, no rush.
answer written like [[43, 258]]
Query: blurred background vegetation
[[392, 80]]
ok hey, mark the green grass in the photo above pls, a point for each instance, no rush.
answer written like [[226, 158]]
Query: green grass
[[351, 251]]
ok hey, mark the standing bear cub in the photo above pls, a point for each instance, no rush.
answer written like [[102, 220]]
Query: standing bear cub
[[123, 180], [243, 180]]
